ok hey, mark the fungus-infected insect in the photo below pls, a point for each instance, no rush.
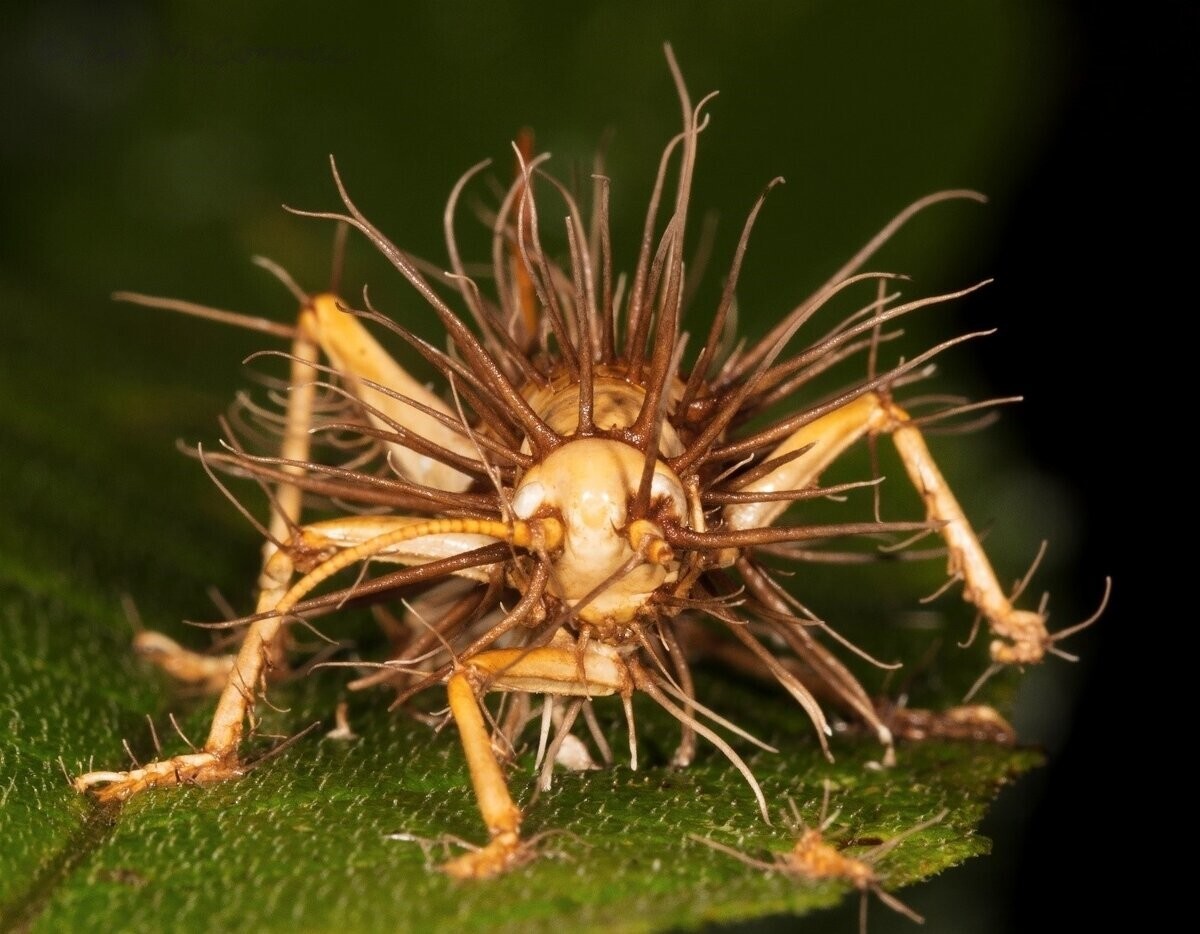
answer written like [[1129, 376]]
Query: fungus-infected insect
[[814, 860], [577, 494]]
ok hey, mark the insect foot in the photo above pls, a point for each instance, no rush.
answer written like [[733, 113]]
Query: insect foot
[[191, 769], [813, 859], [1023, 638], [505, 851]]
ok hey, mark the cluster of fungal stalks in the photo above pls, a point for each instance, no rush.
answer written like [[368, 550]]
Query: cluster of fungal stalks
[[586, 506]]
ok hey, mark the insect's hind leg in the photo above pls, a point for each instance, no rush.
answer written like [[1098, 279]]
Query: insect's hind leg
[[210, 672]]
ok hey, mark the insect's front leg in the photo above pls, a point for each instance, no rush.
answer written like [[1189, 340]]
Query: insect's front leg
[[323, 546], [1021, 635], [554, 669]]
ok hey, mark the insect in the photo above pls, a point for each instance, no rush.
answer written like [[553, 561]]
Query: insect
[[814, 860], [578, 495]]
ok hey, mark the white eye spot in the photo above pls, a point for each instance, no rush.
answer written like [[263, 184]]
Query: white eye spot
[[528, 499], [663, 486]]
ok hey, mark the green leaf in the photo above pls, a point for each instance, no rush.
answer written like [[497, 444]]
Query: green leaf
[[307, 840]]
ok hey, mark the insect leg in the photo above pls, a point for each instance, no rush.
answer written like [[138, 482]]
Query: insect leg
[[552, 670], [315, 547], [210, 672], [1021, 634], [359, 360], [363, 363]]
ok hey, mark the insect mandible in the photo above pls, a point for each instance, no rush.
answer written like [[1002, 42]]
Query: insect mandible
[[579, 493]]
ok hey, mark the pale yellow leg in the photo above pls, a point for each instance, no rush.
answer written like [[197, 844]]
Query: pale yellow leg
[[553, 670], [319, 544], [1021, 634], [358, 356], [211, 672]]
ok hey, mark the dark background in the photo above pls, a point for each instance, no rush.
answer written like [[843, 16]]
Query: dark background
[[148, 146]]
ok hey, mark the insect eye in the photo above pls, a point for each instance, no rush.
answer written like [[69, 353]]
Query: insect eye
[[528, 499]]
